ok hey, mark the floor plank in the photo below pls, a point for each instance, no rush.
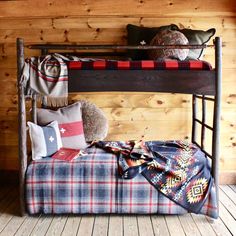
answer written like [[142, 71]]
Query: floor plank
[[219, 227], [159, 225], [115, 226], [56, 226], [100, 225], [229, 192], [189, 226], [42, 226], [227, 218], [233, 187], [145, 226], [71, 226], [13, 225], [8, 198], [130, 225], [228, 203], [8, 214], [86, 226], [27, 226], [174, 225], [203, 225]]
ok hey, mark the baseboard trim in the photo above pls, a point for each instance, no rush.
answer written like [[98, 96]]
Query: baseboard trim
[[12, 177], [228, 177]]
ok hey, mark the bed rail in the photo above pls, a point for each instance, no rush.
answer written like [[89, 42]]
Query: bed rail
[[215, 129], [199, 83]]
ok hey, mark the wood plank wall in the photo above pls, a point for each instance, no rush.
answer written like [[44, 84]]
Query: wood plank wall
[[132, 116]]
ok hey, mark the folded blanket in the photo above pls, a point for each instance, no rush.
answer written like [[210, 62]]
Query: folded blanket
[[177, 169]]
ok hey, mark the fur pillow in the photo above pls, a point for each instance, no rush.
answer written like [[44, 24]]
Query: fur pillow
[[94, 121], [169, 37]]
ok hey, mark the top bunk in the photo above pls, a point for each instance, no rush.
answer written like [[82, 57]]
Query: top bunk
[[101, 75]]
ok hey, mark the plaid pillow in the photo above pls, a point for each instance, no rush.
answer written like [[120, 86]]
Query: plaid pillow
[[45, 141], [70, 124]]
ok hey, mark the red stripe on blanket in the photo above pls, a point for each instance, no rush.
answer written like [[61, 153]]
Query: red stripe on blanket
[[75, 64], [91, 201], [171, 64], [194, 65], [49, 79], [52, 188], [76, 160], [148, 65], [34, 182], [124, 65], [99, 65], [71, 129]]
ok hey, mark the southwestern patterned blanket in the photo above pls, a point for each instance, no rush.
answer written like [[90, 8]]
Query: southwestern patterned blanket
[[92, 184], [177, 169]]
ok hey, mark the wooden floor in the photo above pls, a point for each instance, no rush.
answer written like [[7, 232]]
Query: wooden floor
[[12, 224]]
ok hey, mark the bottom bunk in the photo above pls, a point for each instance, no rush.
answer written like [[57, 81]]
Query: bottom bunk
[[92, 184]]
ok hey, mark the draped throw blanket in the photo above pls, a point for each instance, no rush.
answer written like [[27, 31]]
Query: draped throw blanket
[[47, 76], [177, 169]]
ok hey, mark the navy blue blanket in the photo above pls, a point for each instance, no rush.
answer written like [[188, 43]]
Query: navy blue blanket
[[177, 169]]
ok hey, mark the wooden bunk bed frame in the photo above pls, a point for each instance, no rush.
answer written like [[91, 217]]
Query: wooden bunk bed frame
[[202, 84]]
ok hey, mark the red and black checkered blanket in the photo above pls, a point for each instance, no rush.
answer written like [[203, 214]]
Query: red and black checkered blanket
[[168, 64]]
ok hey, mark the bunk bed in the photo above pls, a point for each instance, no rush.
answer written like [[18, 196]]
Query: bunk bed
[[203, 82]]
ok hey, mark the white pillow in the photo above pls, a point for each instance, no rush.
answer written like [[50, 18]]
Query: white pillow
[[45, 140]]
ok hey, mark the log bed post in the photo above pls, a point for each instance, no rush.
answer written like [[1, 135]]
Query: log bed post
[[216, 120], [21, 125]]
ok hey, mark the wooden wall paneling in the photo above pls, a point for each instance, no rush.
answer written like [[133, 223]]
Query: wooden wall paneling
[[114, 22], [163, 8]]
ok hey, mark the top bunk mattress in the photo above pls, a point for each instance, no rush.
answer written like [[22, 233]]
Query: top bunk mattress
[[168, 64]]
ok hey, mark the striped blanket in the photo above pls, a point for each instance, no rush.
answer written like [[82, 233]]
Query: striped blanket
[[46, 76]]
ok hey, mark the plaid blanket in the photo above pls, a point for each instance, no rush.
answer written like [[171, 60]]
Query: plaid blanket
[[177, 169], [168, 64], [91, 184]]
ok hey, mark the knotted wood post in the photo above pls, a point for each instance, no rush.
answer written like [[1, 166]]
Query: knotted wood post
[[22, 143]]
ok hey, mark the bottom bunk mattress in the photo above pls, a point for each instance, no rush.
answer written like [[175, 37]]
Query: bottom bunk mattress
[[91, 184]]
